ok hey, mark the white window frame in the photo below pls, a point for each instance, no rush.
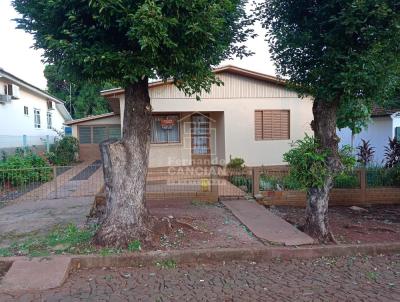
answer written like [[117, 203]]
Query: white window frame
[[49, 120], [37, 122], [153, 139], [27, 111]]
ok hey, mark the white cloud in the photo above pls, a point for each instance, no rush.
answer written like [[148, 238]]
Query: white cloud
[[19, 58]]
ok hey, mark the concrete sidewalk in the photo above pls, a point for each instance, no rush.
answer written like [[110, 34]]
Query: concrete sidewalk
[[265, 225]]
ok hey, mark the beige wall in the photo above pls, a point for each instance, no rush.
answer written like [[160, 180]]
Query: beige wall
[[232, 106], [112, 120]]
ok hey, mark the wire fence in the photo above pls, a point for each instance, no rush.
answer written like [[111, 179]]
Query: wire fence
[[38, 143], [50, 182]]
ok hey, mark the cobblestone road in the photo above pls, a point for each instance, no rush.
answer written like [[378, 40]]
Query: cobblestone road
[[327, 279]]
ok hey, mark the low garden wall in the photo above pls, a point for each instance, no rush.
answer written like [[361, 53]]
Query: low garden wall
[[271, 186]]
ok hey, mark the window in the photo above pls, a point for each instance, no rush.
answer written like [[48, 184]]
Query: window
[[397, 133], [98, 134], [85, 135], [50, 105], [8, 89], [36, 113], [272, 124], [26, 111], [49, 121], [114, 132], [165, 129]]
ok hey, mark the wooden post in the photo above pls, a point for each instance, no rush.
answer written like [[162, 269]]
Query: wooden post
[[214, 184], [363, 185], [256, 181], [55, 181]]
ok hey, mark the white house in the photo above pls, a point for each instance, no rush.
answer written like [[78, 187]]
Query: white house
[[384, 124], [28, 115], [253, 116]]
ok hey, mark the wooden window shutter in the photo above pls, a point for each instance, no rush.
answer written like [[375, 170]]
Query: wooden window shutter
[[272, 124], [258, 125]]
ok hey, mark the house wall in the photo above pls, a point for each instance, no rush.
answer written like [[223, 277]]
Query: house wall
[[236, 102], [14, 123], [232, 110], [377, 132], [91, 152]]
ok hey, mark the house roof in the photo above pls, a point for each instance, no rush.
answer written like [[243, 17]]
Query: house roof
[[228, 68], [59, 103], [380, 111], [90, 118]]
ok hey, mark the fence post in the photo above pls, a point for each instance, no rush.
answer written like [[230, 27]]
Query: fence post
[[24, 142], [256, 181], [55, 181], [214, 184], [47, 143], [363, 185]]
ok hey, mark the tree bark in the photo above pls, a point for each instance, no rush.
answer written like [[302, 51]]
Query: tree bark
[[324, 127], [125, 165]]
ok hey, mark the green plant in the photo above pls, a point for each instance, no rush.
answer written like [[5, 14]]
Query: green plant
[[64, 151], [346, 181], [236, 163], [134, 245], [24, 168], [365, 153], [308, 162], [392, 153]]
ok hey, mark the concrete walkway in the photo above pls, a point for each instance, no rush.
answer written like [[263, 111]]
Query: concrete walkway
[[265, 225], [36, 274]]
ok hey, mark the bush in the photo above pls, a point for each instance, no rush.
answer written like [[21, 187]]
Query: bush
[[22, 169], [308, 163], [236, 163], [383, 177], [64, 151], [346, 181]]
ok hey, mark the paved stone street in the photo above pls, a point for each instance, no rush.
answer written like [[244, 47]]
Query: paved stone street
[[326, 279]]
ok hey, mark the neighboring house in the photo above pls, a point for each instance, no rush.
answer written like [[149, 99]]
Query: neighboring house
[[384, 124], [28, 115], [252, 116]]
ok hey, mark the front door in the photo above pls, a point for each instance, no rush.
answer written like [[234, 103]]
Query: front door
[[201, 154]]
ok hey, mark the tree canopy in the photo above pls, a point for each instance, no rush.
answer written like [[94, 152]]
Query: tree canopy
[[344, 51], [85, 95], [126, 40]]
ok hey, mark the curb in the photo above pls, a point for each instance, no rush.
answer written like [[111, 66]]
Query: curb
[[201, 256]]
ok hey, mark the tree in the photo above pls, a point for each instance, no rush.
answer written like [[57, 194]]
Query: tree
[[84, 96], [343, 53], [129, 42]]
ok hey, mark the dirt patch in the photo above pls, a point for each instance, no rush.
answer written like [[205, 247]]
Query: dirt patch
[[374, 224], [200, 225]]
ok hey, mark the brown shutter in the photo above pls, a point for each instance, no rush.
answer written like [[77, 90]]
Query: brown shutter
[[258, 125], [272, 124]]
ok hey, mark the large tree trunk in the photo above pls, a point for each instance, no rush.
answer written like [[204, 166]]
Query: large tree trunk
[[125, 166], [324, 126]]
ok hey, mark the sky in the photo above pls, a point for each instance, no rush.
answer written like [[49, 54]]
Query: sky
[[19, 58]]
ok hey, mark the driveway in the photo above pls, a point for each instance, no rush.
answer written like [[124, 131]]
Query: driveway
[[19, 220]]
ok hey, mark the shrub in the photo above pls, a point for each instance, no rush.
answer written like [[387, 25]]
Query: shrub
[[346, 181], [64, 151], [22, 169], [392, 153], [365, 153], [236, 163], [308, 163]]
